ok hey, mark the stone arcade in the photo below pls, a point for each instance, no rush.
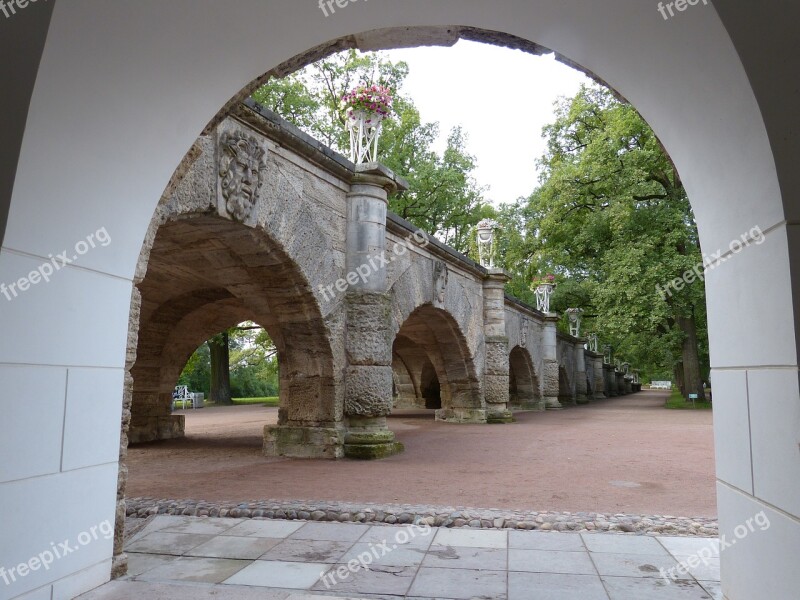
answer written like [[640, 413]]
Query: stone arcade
[[269, 225]]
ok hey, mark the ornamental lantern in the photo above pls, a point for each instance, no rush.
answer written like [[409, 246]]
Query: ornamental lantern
[[486, 243], [575, 315]]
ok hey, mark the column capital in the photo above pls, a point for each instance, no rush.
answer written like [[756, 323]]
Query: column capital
[[375, 173], [497, 276]]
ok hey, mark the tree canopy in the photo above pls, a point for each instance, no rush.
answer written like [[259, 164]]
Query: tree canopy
[[612, 219]]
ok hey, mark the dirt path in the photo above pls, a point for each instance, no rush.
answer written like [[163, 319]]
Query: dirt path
[[625, 455]]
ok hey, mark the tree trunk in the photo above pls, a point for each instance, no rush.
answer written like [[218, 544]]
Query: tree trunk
[[220, 370], [692, 377], [679, 378]]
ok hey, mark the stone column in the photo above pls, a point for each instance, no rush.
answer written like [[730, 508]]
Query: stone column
[[611, 380], [599, 376], [550, 368], [368, 380], [495, 381], [580, 372], [628, 384], [619, 377]]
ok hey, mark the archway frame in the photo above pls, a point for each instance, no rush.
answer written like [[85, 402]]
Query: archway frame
[[751, 181]]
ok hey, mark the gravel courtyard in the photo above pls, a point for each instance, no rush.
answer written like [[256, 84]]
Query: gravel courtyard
[[621, 455]]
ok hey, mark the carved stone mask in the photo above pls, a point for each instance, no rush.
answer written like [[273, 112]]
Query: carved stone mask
[[440, 275], [241, 171]]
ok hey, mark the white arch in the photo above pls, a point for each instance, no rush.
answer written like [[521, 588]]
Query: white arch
[[123, 90]]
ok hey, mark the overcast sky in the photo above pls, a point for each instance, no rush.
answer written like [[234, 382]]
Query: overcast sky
[[479, 76]]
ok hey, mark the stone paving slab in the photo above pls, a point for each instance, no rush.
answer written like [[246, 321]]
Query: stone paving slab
[[377, 562]]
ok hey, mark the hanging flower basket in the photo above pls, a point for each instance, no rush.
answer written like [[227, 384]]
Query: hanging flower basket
[[549, 280], [365, 109]]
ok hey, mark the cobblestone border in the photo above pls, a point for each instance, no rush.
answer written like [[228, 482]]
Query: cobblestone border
[[437, 516]]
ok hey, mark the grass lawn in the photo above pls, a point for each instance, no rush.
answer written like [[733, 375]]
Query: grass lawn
[[183, 404], [678, 402], [268, 401]]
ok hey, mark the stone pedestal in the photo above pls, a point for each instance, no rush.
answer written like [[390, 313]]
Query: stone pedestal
[[152, 419], [581, 388], [368, 381], [304, 442], [497, 368], [550, 375]]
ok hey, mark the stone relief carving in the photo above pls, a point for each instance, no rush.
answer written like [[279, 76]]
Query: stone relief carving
[[241, 172], [440, 275], [523, 336]]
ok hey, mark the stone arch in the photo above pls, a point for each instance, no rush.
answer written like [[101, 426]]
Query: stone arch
[[566, 394], [430, 388], [524, 387], [205, 273], [404, 391], [433, 333], [415, 376]]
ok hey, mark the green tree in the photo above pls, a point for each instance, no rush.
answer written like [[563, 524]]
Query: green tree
[[197, 372], [219, 350], [240, 362], [612, 218]]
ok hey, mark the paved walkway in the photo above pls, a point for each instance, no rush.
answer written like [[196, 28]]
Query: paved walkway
[[194, 558]]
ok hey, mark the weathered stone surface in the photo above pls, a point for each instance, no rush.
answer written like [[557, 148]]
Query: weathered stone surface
[[368, 391], [462, 415], [303, 442], [372, 451], [497, 356], [495, 389]]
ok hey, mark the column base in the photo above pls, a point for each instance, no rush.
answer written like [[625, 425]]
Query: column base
[[582, 399], [461, 415], [119, 566], [156, 429], [499, 416], [371, 445], [533, 405], [303, 442], [566, 400], [369, 438], [599, 396], [552, 403]]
